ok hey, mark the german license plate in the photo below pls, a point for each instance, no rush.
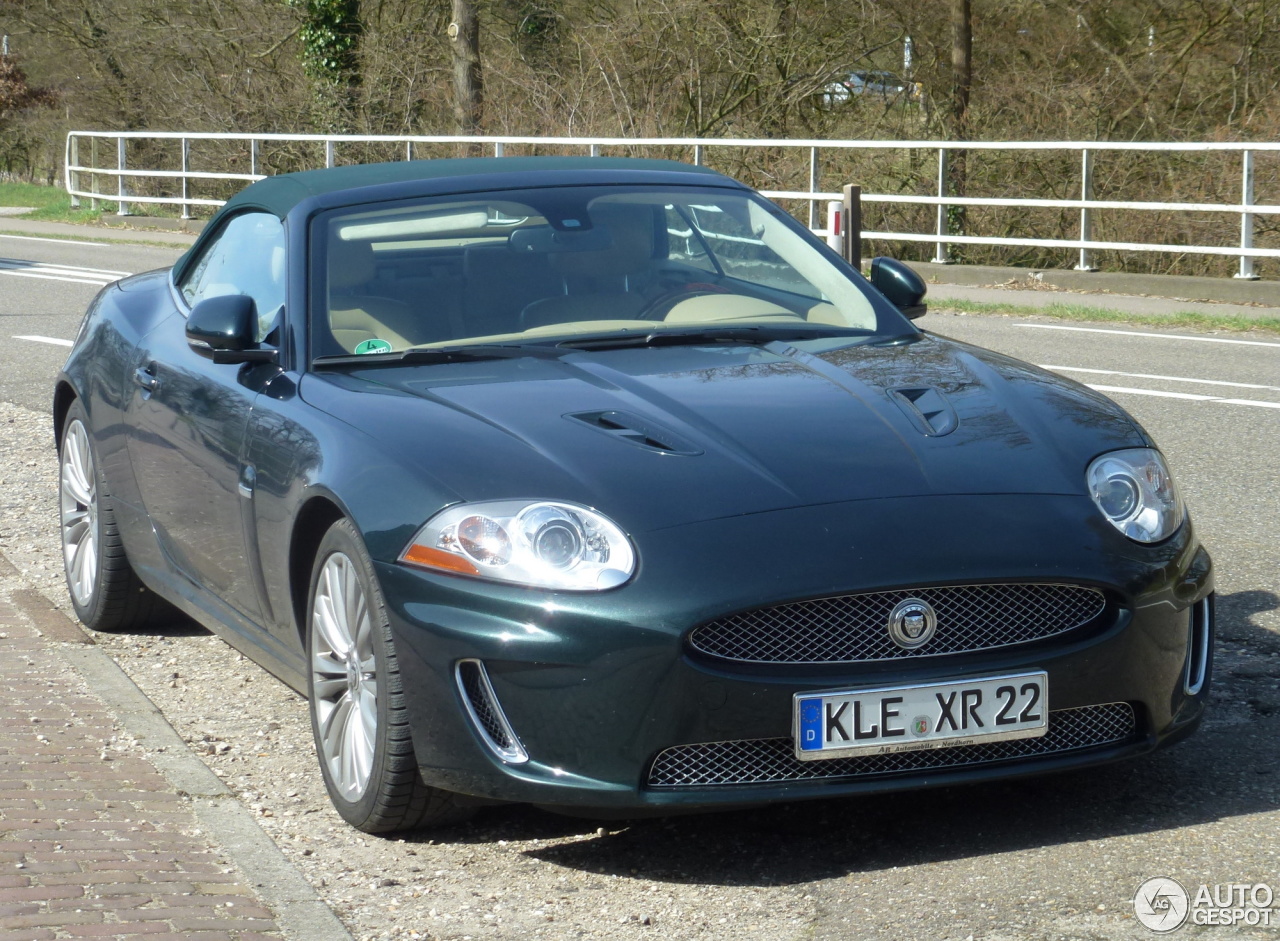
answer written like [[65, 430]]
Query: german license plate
[[911, 718]]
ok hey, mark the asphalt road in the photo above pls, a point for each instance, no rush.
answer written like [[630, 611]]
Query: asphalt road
[[45, 286], [1057, 857]]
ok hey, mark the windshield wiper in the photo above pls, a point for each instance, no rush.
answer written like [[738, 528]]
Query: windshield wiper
[[737, 334], [441, 354]]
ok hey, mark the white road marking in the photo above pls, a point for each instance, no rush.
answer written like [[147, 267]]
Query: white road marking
[[1164, 395], [36, 238], [55, 277], [48, 271], [1135, 333], [54, 266], [1144, 375], [1184, 395], [1249, 402], [54, 340]]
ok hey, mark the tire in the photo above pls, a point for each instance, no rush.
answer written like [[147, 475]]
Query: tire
[[106, 593], [358, 714]]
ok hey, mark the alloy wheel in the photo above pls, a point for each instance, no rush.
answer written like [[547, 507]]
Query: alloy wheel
[[79, 504], [344, 671]]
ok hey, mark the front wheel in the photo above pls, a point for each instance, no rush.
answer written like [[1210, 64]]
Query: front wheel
[[106, 593], [358, 713]]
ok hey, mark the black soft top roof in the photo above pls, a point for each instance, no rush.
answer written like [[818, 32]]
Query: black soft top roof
[[279, 194]]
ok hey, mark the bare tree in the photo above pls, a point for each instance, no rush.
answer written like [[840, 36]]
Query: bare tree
[[468, 84], [958, 113]]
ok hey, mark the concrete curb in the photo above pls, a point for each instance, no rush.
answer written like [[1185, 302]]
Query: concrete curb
[[298, 908], [1221, 290], [190, 226], [84, 231]]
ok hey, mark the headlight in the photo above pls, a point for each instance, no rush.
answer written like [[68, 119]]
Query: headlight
[[1134, 491], [538, 543]]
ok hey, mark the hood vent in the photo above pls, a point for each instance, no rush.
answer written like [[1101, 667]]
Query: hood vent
[[928, 408], [637, 431]]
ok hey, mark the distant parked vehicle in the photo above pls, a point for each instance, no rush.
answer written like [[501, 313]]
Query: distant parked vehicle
[[881, 84]]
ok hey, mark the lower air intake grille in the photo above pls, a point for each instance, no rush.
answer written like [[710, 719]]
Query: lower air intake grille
[[854, 628], [773, 760], [482, 706]]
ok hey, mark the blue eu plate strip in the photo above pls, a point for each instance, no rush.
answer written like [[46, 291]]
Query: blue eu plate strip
[[810, 724]]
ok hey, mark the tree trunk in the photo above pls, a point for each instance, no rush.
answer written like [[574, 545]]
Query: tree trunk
[[958, 115], [468, 89]]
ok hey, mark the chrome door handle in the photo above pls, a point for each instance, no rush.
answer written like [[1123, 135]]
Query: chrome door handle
[[145, 376]]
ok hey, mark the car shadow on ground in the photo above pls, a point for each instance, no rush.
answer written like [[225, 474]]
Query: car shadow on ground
[[176, 625], [1230, 768]]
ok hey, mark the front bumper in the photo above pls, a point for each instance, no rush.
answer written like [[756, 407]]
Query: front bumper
[[599, 687]]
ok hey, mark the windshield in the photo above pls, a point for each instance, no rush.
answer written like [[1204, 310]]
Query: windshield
[[569, 262]]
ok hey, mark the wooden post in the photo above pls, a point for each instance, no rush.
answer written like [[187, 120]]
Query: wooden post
[[853, 225]]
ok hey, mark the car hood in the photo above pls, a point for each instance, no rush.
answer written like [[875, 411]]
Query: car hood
[[658, 437]]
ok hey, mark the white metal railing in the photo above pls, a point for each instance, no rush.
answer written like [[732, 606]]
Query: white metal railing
[[1247, 209]]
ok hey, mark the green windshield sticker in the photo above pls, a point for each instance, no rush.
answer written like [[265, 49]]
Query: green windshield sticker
[[373, 345]]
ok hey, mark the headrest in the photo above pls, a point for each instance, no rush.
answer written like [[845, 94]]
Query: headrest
[[630, 230]]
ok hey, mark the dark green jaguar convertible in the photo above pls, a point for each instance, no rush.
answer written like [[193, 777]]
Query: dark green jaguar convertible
[[601, 484]]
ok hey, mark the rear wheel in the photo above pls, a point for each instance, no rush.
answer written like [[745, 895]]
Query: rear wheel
[[106, 593], [357, 699]]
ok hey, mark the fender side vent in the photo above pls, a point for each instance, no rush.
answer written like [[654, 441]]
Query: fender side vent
[[1199, 646], [636, 431], [482, 706], [928, 408]]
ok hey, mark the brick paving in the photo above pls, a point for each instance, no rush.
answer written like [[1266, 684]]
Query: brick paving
[[93, 841]]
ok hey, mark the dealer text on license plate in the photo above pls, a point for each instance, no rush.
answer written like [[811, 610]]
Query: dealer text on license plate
[[909, 718]]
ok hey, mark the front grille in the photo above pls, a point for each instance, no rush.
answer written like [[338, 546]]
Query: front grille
[[773, 760], [854, 628]]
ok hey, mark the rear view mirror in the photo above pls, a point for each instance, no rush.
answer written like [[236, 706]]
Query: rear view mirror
[[903, 287], [227, 327], [546, 240]]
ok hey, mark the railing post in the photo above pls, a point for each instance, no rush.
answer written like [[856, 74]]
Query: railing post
[[328, 153], [1086, 214], [940, 252], [253, 157], [408, 151], [595, 150], [122, 207], [852, 228], [73, 160], [697, 155], [95, 185], [1246, 218], [813, 187], [186, 166], [499, 149]]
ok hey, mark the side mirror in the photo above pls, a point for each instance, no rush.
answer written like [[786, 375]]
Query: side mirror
[[227, 327], [903, 287]]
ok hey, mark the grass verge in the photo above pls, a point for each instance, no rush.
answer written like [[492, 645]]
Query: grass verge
[[50, 203], [1082, 312]]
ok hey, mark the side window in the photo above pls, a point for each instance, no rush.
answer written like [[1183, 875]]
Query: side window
[[247, 257]]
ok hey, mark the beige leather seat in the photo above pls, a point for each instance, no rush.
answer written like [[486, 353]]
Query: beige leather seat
[[355, 316]]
